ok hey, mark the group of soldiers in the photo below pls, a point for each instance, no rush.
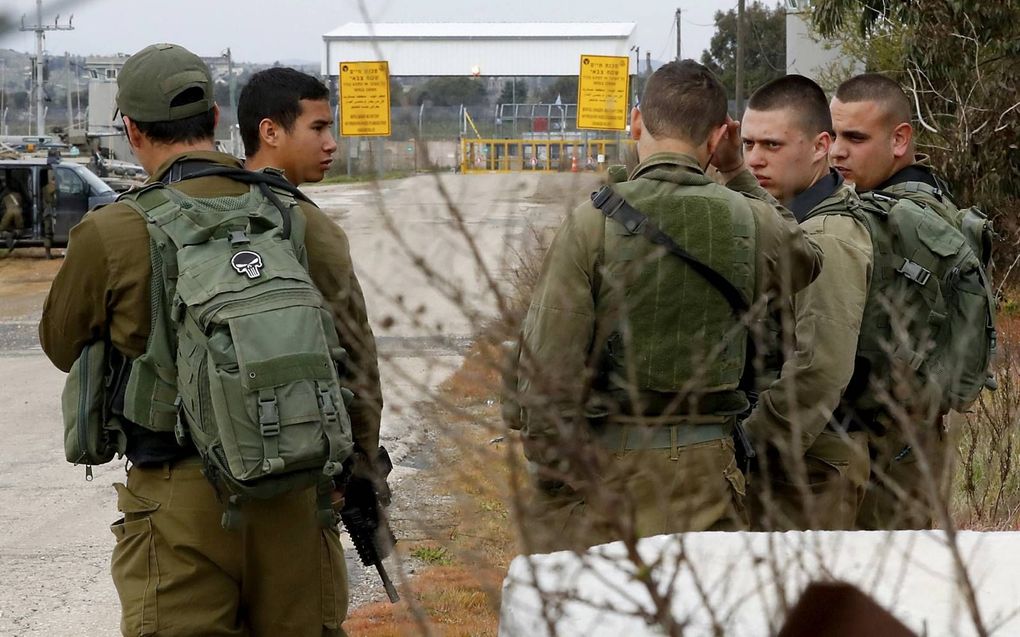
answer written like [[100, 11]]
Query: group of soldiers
[[693, 357], [643, 406]]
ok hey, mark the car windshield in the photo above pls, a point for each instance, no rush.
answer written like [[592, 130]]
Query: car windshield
[[98, 186]]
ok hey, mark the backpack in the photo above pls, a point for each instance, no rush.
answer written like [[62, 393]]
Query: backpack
[[930, 311], [243, 356]]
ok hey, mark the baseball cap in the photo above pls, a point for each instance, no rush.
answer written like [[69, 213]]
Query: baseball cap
[[151, 84]]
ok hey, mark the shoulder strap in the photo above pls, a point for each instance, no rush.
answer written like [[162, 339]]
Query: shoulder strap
[[266, 182], [615, 207]]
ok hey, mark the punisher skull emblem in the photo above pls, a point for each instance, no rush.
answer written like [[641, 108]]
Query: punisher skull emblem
[[247, 262]]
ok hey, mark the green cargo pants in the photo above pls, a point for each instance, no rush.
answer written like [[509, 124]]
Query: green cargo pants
[[179, 572], [695, 487], [823, 493]]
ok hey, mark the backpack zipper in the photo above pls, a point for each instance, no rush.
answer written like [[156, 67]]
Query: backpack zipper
[[83, 410]]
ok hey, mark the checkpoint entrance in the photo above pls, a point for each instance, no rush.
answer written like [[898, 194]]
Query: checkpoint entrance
[[545, 155]]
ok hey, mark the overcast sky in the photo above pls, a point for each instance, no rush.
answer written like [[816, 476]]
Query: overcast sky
[[268, 30]]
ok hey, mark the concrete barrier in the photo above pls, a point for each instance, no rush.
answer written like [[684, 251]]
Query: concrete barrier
[[748, 580]]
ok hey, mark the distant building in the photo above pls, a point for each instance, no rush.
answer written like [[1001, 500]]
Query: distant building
[[809, 55], [500, 49]]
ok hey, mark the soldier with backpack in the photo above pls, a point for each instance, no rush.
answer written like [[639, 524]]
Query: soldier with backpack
[[215, 334], [941, 336], [811, 471]]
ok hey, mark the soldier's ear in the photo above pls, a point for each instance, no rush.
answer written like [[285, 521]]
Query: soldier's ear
[[902, 138], [823, 142], [636, 124], [269, 133]]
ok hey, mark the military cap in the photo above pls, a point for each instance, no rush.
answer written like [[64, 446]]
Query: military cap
[[150, 85]]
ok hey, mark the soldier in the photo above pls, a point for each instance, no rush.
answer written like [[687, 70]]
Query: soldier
[[631, 356], [282, 571], [812, 472], [49, 209], [13, 219], [874, 150]]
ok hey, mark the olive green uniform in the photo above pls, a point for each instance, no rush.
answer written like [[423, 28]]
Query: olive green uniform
[[896, 497], [49, 212], [13, 218], [177, 570], [632, 457], [812, 475]]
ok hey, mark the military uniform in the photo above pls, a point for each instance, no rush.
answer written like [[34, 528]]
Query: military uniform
[[814, 471], [894, 462], [281, 573], [629, 363], [49, 211], [13, 219]]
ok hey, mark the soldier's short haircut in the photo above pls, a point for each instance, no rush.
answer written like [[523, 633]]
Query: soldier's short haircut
[[874, 87], [683, 100], [800, 94], [275, 94]]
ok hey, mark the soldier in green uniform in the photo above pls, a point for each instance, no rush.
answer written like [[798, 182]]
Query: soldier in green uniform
[[630, 359], [12, 219], [281, 572], [49, 210], [812, 470], [874, 150]]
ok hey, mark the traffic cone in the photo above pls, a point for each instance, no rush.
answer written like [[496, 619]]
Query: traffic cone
[[573, 164]]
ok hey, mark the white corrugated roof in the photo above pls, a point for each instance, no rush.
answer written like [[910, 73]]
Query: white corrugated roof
[[459, 30]]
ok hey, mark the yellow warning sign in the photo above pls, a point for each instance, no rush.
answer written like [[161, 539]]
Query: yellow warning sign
[[602, 92], [365, 99]]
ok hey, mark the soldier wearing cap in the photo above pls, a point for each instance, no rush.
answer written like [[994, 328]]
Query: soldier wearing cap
[[177, 570]]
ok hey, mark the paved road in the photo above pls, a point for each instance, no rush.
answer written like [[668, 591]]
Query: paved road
[[54, 542]]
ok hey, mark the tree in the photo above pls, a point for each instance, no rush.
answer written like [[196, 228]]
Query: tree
[[514, 92], [958, 60], [564, 88], [765, 47], [451, 91]]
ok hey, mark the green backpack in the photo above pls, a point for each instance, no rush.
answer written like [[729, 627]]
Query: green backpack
[[930, 313], [243, 356]]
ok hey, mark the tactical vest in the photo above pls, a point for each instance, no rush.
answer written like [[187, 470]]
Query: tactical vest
[[928, 331], [674, 332], [242, 355]]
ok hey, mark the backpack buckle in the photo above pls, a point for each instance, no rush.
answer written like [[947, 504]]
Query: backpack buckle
[[915, 272], [238, 237], [269, 417]]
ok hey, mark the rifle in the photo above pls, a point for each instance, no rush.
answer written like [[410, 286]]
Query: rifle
[[745, 451], [373, 539]]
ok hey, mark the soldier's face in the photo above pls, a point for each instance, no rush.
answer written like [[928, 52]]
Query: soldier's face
[[780, 153], [865, 149], [306, 150]]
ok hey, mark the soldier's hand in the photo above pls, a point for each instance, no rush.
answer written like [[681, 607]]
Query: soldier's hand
[[729, 155]]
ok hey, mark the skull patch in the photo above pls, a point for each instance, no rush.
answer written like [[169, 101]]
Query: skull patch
[[247, 262]]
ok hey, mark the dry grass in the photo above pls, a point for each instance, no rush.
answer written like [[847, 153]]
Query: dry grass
[[986, 494], [458, 594], [455, 601]]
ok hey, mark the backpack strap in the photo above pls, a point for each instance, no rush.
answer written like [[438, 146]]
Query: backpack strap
[[615, 207], [266, 182], [912, 187]]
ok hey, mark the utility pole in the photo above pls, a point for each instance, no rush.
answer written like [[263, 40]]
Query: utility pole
[[739, 89], [40, 37], [67, 84], [678, 49]]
